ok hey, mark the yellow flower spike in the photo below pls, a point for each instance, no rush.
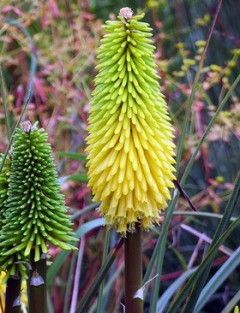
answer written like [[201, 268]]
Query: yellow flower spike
[[131, 153]]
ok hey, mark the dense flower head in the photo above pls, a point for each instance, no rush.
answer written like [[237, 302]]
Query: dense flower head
[[35, 209], [4, 182], [131, 153], [13, 264]]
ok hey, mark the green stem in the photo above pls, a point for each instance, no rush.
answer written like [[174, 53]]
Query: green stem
[[37, 287], [133, 271], [13, 290], [105, 252]]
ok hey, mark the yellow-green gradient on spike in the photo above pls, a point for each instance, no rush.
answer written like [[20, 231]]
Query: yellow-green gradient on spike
[[130, 142]]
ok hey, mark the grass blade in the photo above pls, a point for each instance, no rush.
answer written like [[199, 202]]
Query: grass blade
[[69, 282], [232, 303], [77, 276], [89, 207], [105, 251], [194, 88], [83, 305], [13, 132], [4, 99], [61, 258], [33, 58], [222, 274], [158, 254], [108, 286], [205, 265], [169, 210], [81, 177], [162, 241], [28, 95], [211, 123], [167, 295], [175, 306], [199, 283], [73, 155]]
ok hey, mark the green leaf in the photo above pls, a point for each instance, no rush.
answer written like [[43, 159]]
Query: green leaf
[[174, 287], [232, 303], [61, 258], [5, 105], [222, 274], [89, 207], [158, 255], [83, 305], [73, 155], [82, 177], [12, 134], [211, 123], [194, 89], [70, 281], [105, 252], [222, 233], [113, 276], [223, 225], [160, 245]]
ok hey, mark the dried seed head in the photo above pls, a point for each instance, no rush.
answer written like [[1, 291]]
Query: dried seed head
[[26, 126], [126, 13]]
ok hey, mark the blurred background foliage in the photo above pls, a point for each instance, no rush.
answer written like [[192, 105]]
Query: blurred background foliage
[[49, 48]]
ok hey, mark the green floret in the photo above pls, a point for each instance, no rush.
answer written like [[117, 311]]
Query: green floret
[[36, 211], [16, 262], [4, 182]]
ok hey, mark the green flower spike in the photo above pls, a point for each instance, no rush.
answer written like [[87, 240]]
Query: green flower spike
[[4, 182], [36, 212], [13, 264], [131, 153]]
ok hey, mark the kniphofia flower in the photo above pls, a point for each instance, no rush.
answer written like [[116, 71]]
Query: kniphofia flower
[[4, 182], [131, 153], [35, 212]]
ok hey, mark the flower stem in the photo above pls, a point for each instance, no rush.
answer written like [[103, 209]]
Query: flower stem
[[133, 271], [13, 303], [37, 287]]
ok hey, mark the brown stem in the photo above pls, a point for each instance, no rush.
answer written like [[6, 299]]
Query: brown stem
[[37, 287], [133, 271], [13, 291]]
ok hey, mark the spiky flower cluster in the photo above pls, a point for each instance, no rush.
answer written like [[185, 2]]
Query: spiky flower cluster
[[35, 210], [12, 263], [4, 182], [130, 144]]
